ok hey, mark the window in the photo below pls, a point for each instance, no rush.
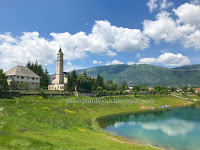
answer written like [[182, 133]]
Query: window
[[32, 83], [17, 77], [22, 77], [36, 83], [33, 78], [28, 78]]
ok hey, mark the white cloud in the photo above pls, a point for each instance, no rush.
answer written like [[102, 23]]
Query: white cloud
[[147, 61], [195, 2], [167, 59], [114, 62], [111, 53], [103, 37], [169, 126], [118, 38], [188, 14], [165, 5], [97, 62], [118, 124], [165, 28], [193, 40], [69, 63], [130, 63], [161, 4], [152, 5], [170, 59], [138, 55], [69, 67]]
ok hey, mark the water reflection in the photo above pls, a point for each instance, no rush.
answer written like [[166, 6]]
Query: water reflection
[[177, 128]]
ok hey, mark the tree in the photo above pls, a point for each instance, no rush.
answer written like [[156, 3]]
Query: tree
[[173, 89], [135, 92], [99, 91], [3, 82], [44, 81], [136, 87], [192, 90], [124, 86], [153, 91], [158, 88], [83, 82], [72, 81], [161, 92], [13, 85], [37, 68], [109, 85], [198, 93], [99, 81]]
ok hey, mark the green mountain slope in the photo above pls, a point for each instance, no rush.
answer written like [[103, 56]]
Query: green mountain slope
[[148, 74]]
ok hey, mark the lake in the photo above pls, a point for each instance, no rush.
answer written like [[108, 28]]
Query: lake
[[177, 128]]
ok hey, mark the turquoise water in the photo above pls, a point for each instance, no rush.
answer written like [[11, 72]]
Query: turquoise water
[[178, 128]]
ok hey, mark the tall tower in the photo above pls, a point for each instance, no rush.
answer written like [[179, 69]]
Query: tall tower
[[59, 67]]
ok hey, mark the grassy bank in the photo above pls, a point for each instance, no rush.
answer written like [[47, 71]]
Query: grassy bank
[[36, 123]]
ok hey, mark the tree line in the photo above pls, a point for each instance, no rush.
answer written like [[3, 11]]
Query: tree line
[[83, 82]]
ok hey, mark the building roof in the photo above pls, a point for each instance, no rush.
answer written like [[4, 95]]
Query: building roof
[[197, 89], [21, 71]]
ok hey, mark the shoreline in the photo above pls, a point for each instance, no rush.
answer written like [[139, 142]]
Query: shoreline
[[122, 139]]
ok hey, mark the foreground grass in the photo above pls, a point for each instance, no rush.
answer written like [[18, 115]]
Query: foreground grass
[[37, 123]]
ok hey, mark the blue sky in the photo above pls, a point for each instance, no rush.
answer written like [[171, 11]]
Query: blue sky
[[99, 32]]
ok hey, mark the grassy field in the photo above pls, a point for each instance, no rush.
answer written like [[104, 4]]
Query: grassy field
[[35, 123]]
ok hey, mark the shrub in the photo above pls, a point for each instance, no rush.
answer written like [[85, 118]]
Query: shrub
[[110, 92], [42, 94], [198, 93], [116, 92], [120, 92], [45, 108]]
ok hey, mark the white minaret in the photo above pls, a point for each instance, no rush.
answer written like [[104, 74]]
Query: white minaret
[[59, 67]]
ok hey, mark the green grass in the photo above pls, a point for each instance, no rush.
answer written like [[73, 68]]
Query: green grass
[[44, 124]]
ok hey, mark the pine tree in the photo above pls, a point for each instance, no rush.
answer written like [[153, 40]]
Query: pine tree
[[3, 82]]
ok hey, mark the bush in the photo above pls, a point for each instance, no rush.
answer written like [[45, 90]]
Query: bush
[[42, 94], [116, 92], [120, 92], [198, 93], [105, 92], [110, 92], [126, 92]]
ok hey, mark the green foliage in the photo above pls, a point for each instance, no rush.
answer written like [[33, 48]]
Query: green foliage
[[153, 91], [120, 92], [3, 82], [198, 93], [72, 81], [42, 94], [135, 92], [116, 92], [124, 86], [99, 81], [37, 68]]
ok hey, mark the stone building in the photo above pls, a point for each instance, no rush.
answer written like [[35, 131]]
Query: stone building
[[23, 76], [59, 82]]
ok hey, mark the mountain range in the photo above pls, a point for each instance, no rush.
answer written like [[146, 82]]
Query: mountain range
[[147, 74]]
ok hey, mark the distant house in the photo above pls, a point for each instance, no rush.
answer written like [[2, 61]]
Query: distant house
[[23, 75], [196, 90], [130, 88], [151, 89], [179, 90]]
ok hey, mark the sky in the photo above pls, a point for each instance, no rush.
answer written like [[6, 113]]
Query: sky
[[99, 32]]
